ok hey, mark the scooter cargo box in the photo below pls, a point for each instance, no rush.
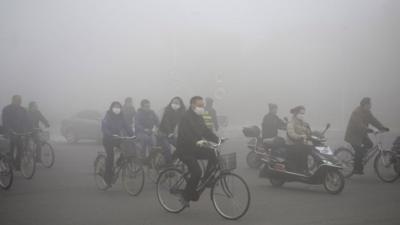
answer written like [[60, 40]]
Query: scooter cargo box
[[4, 144], [252, 132]]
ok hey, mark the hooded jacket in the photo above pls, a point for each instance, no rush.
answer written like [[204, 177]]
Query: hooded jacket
[[191, 130]]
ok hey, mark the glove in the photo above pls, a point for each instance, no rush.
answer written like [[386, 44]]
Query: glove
[[201, 143]]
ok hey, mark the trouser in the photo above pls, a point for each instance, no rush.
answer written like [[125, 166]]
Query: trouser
[[190, 192], [298, 155], [109, 145], [359, 152], [165, 144], [16, 150], [146, 141]]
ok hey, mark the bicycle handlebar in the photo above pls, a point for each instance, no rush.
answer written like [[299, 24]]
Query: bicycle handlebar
[[117, 137]]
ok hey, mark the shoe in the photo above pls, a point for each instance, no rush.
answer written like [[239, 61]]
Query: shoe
[[185, 203]]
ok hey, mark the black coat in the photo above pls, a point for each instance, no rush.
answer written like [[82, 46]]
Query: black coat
[[15, 118], [35, 117], [271, 124], [191, 130], [170, 120]]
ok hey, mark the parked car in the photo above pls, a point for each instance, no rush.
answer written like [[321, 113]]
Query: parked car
[[85, 125]]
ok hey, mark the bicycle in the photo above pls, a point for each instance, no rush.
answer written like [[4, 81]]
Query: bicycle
[[383, 162], [125, 166], [6, 172], [27, 158], [44, 151], [171, 182]]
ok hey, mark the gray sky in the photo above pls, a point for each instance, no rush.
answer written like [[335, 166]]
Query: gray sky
[[82, 54]]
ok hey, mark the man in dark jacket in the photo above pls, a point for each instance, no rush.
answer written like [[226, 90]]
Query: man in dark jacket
[[15, 119], [113, 124], [191, 133], [129, 111], [272, 123], [357, 132], [36, 117], [145, 122]]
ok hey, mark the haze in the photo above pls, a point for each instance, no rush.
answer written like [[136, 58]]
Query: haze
[[83, 54]]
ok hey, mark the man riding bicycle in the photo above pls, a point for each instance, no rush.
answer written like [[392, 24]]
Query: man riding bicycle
[[357, 132], [113, 124], [192, 133], [15, 119]]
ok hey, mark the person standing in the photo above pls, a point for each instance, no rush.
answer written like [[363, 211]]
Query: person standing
[[168, 127], [14, 118], [357, 132], [192, 132], [113, 124], [129, 111]]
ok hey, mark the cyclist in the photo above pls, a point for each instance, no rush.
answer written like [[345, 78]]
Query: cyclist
[[113, 124], [298, 133], [210, 115], [170, 120], [129, 111], [36, 117], [145, 122], [357, 132], [15, 119], [192, 133]]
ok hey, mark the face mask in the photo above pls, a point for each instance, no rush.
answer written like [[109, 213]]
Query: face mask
[[199, 110], [116, 110], [175, 106], [300, 117]]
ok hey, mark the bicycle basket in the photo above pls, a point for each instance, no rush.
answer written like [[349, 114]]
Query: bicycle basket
[[128, 148], [4, 144], [228, 161], [44, 136]]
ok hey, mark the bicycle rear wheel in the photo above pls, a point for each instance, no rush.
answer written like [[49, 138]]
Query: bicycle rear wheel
[[28, 160], [47, 156], [99, 172], [230, 196], [385, 166], [157, 164], [133, 178], [6, 173], [170, 185]]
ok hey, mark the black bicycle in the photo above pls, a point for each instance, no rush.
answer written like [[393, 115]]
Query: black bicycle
[[126, 166], [6, 172], [27, 154], [230, 193], [44, 151]]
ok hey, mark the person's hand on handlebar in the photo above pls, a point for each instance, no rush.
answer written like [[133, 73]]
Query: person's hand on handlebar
[[201, 143]]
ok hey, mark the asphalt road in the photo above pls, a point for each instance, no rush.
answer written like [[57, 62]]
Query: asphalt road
[[66, 195]]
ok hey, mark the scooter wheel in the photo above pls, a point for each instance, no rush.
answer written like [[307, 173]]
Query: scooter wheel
[[333, 182], [275, 182], [253, 160]]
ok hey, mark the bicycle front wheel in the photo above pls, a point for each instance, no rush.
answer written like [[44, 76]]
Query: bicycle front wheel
[[385, 166], [28, 160], [170, 185], [346, 158], [6, 174], [133, 178], [47, 156], [230, 196]]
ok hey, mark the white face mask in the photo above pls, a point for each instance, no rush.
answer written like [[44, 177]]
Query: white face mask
[[300, 117], [116, 110], [199, 110], [175, 106]]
